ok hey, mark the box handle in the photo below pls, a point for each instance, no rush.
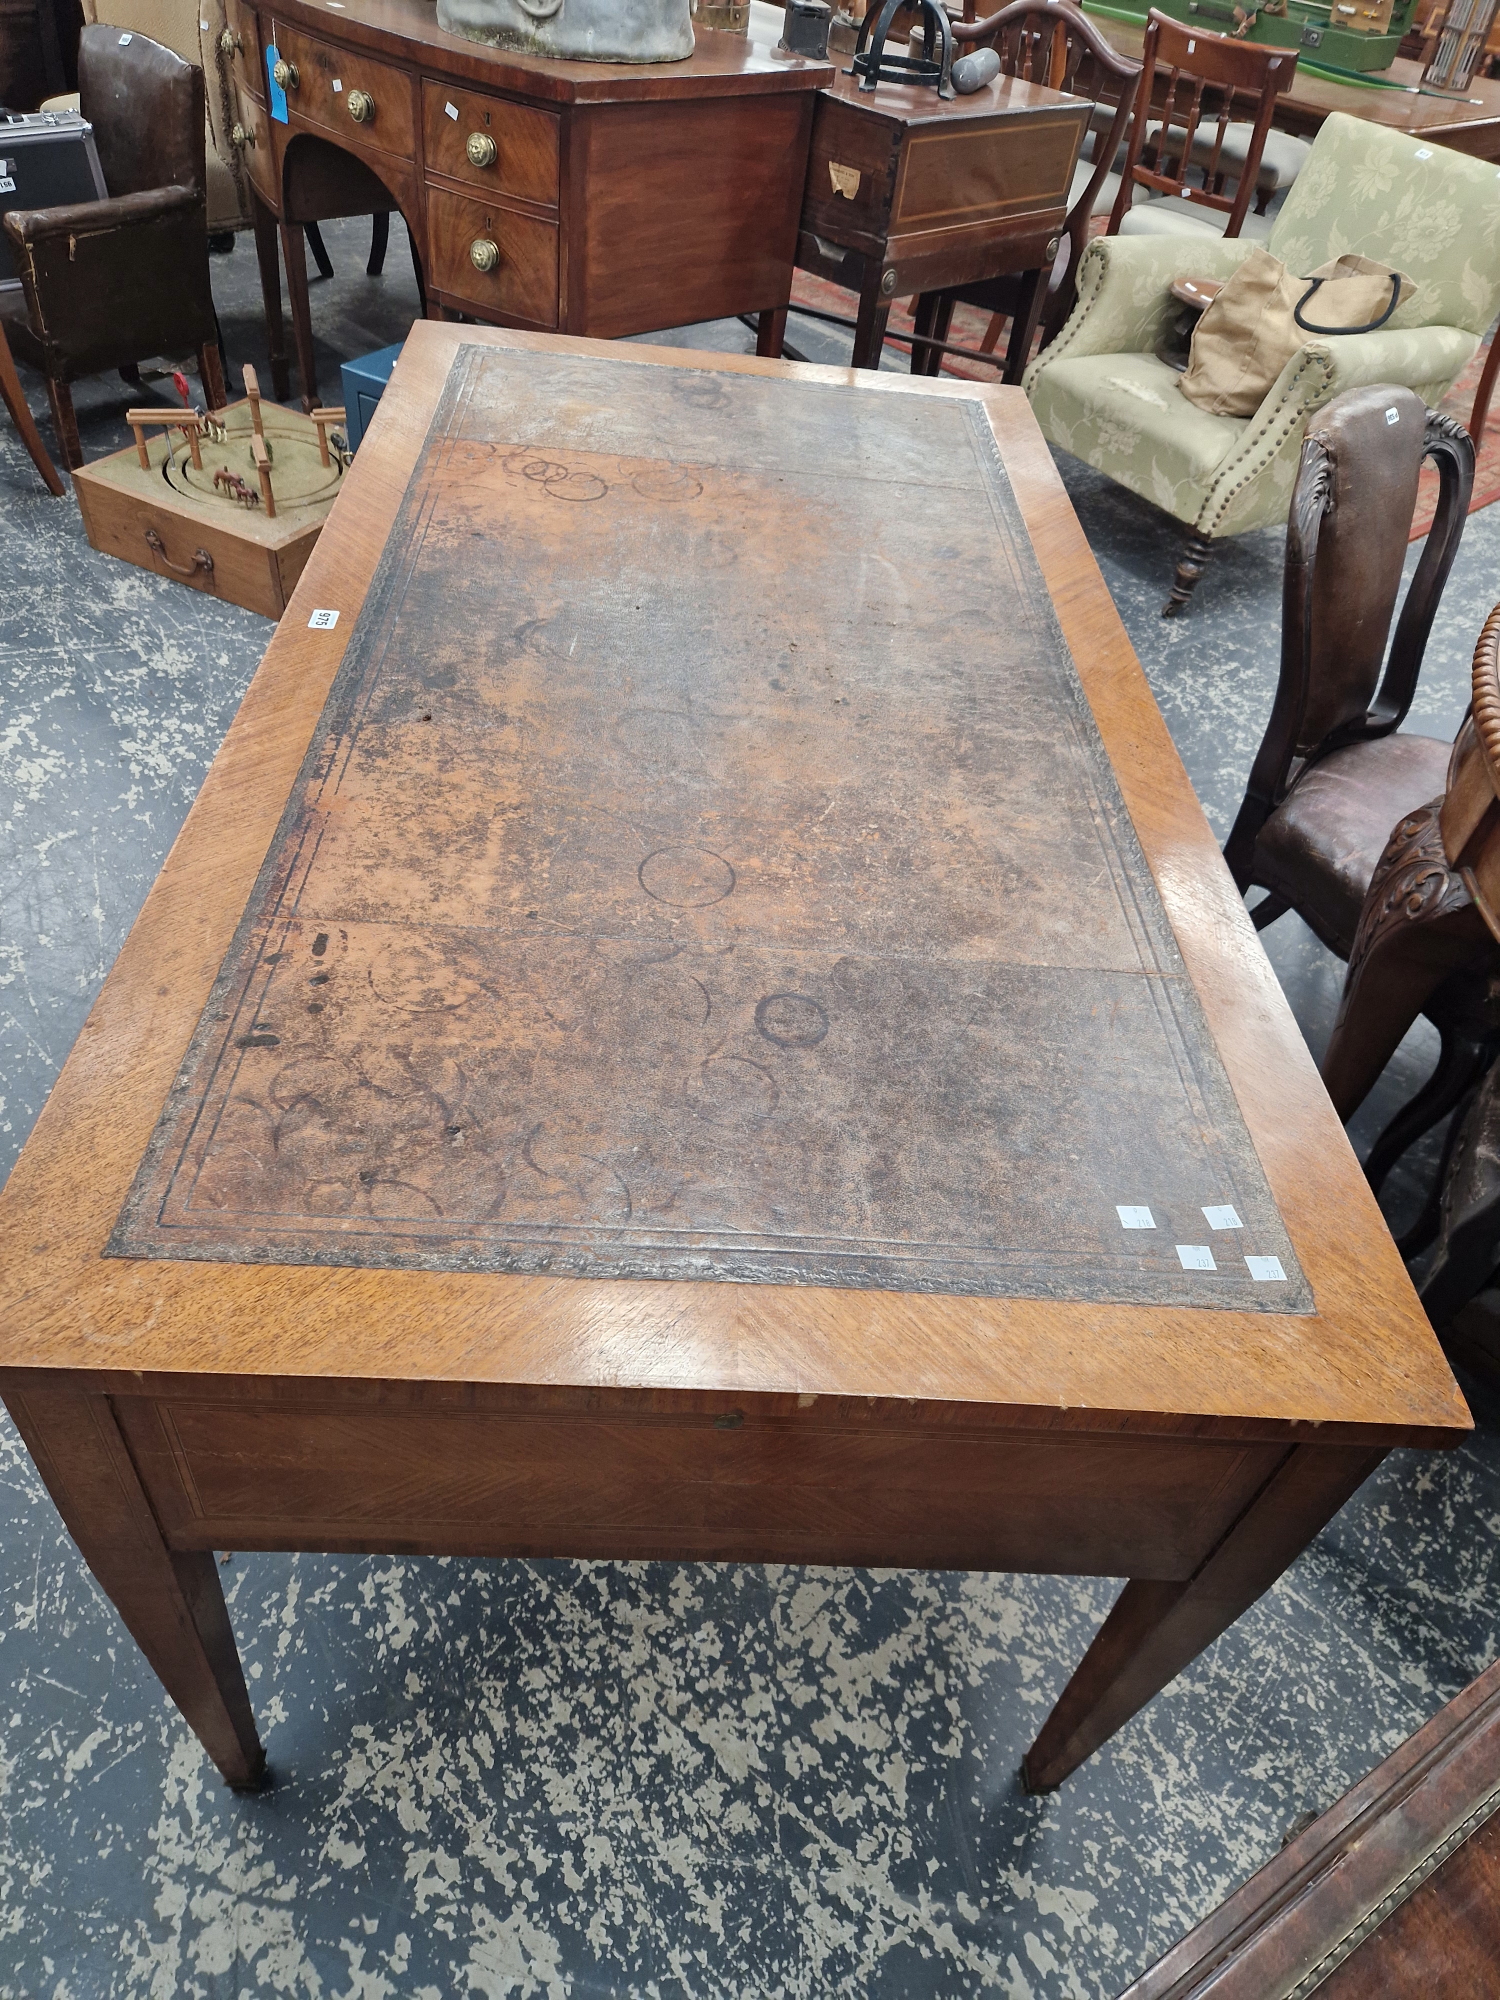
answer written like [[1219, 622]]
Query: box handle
[[201, 558]]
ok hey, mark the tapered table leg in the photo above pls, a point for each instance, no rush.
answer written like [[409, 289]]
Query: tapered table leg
[[1033, 292], [1156, 1629], [294, 250], [171, 1600], [874, 312], [270, 292]]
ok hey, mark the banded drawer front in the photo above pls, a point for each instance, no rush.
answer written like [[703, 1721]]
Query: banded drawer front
[[496, 260], [490, 143], [366, 103]]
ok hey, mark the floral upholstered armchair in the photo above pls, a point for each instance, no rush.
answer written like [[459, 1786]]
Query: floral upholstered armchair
[[1100, 392]]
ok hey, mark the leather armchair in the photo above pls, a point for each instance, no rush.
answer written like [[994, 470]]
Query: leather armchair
[[1100, 392], [110, 283]]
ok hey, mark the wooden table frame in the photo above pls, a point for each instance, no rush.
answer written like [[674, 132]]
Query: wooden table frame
[[173, 1408]]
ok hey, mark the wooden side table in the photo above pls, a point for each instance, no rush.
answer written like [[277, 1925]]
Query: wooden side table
[[909, 193]]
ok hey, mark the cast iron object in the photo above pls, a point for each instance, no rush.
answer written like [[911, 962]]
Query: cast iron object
[[806, 29], [872, 65]]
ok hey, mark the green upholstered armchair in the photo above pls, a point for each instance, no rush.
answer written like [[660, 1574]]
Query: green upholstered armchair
[[1099, 391]]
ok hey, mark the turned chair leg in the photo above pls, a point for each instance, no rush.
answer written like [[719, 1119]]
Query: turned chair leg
[[65, 422], [1190, 567], [380, 236]]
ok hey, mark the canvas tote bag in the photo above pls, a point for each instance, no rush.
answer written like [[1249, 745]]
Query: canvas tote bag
[[1264, 314]]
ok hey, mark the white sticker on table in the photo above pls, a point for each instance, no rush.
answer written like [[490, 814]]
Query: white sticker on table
[[451, 109], [323, 621], [1196, 1257], [1222, 1218], [126, 40], [337, 85], [1136, 1218], [1266, 1270]]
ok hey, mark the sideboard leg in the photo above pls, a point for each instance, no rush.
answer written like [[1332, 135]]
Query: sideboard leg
[[294, 252], [1156, 1629], [171, 1600], [270, 292]]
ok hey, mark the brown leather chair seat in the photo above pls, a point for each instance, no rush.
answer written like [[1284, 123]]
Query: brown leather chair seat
[[1320, 847]]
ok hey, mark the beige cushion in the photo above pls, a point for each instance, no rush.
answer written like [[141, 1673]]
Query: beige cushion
[[1174, 215], [1281, 158], [1109, 187]]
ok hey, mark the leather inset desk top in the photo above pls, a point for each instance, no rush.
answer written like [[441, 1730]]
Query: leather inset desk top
[[707, 866]]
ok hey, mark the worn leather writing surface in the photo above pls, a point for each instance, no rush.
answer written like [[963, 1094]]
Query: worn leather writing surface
[[707, 866]]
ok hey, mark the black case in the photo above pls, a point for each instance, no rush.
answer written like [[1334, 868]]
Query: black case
[[47, 159]]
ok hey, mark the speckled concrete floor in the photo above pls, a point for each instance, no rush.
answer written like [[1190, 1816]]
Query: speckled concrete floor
[[594, 1778]]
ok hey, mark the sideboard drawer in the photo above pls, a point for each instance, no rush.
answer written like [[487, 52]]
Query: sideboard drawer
[[243, 47], [522, 283], [333, 85], [251, 138], [523, 161]]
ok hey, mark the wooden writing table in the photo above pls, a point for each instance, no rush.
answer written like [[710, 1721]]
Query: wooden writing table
[[907, 192], [650, 1064], [1469, 121]]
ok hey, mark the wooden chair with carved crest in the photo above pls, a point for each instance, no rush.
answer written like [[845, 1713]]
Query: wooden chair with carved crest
[[1335, 769], [1054, 43]]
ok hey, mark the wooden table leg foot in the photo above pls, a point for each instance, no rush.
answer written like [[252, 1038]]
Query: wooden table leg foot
[[171, 1600], [1156, 1629]]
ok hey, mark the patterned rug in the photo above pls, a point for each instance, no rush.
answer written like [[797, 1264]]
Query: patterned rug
[[970, 323]]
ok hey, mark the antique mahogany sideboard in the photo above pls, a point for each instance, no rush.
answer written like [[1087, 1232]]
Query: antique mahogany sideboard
[[701, 1019], [908, 193], [587, 198]]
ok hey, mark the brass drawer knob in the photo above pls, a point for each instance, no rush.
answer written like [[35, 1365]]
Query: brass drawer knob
[[481, 150], [285, 74], [240, 137], [230, 43], [361, 107], [483, 254]]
